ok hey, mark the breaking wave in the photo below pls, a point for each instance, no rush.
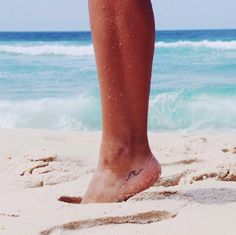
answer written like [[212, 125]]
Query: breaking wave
[[221, 45], [61, 50], [172, 111], [87, 50]]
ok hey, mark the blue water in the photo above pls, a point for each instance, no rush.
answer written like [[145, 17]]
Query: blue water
[[49, 81]]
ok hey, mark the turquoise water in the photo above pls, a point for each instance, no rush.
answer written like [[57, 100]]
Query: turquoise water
[[49, 81]]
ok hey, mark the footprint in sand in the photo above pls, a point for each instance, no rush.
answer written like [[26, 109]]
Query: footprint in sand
[[228, 150], [173, 180], [227, 172], [167, 194], [182, 162], [41, 167], [224, 172], [39, 163], [140, 218]]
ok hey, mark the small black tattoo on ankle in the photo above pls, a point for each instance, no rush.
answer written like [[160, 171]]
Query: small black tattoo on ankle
[[133, 173]]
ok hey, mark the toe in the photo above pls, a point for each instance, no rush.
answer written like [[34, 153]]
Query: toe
[[73, 200]]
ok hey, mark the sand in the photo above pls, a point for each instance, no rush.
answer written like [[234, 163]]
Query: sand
[[196, 194]]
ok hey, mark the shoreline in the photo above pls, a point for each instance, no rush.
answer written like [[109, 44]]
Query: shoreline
[[196, 191]]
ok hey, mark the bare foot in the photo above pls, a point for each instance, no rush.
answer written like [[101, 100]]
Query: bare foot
[[119, 182]]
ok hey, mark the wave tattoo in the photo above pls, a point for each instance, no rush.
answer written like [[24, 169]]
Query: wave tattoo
[[133, 173]]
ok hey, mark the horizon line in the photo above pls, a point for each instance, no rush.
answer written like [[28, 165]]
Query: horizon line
[[88, 31]]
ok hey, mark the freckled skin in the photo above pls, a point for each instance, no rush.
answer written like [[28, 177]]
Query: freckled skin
[[123, 34]]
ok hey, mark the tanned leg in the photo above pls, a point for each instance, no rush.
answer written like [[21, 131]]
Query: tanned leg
[[123, 33]]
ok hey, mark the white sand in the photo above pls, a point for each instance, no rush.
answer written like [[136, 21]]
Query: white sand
[[196, 195]]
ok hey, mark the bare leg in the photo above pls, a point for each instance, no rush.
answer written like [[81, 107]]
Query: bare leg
[[123, 35]]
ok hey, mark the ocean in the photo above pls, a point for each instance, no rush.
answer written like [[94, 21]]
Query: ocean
[[48, 80]]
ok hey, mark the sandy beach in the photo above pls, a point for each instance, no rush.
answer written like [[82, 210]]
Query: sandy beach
[[196, 194]]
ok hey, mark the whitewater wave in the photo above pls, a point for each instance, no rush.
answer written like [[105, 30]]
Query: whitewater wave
[[87, 50], [78, 113], [48, 50], [221, 45], [173, 111], [179, 111]]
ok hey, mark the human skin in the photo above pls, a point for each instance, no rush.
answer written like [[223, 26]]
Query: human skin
[[123, 33]]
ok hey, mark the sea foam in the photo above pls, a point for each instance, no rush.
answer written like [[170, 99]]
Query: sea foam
[[87, 50], [78, 113], [222, 45], [172, 111], [200, 111], [48, 50]]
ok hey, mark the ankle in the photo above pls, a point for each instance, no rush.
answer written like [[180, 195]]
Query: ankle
[[127, 139], [122, 154]]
